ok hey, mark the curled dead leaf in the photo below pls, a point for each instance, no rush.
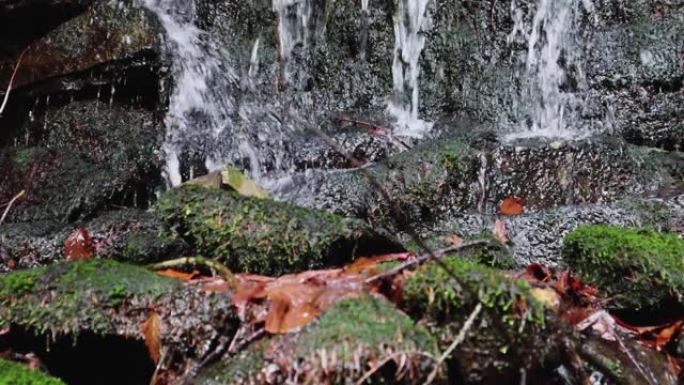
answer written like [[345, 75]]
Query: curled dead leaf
[[500, 232], [79, 245], [151, 332], [512, 206]]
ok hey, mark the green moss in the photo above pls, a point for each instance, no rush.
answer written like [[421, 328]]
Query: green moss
[[636, 268], [23, 156], [72, 296], [15, 374], [261, 236], [336, 348]]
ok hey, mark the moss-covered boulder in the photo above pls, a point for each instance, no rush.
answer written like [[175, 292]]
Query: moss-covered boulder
[[264, 236], [511, 332], [16, 374], [66, 298], [636, 268], [338, 349]]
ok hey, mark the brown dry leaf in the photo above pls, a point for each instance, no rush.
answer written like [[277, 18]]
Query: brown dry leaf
[[151, 332], [369, 263], [170, 273], [512, 206], [663, 338], [79, 245], [454, 240], [291, 307], [500, 232]]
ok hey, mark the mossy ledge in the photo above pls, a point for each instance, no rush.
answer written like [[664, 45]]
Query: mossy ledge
[[335, 349], [68, 297], [264, 236], [638, 269], [16, 374]]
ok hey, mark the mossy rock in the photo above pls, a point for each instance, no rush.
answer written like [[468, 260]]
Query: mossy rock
[[264, 236], [336, 349], [493, 253], [68, 297], [16, 374], [512, 331], [637, 269]]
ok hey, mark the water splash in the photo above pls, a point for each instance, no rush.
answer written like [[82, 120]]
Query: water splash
[[551, 106], [410, 20], [200, 104], [292, 30]]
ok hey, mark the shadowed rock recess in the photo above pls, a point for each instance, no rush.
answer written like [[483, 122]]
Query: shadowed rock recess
[[370, 124]]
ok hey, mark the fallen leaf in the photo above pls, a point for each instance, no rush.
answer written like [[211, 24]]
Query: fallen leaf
[[369, 263], [663, 338], [213, 179], [500, 232], [79, 245], [170, 273], [151, 332], [547, 296], [512, 206], [453, 239], [242, 184]]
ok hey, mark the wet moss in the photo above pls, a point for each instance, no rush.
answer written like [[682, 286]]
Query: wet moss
[[610, 257], [511, 332], [263, 236], [68, 297], [336, 348], [15, 374]]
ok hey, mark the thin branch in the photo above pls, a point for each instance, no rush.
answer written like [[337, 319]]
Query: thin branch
[[11, 82], [389, 358], [222, 271], [398, 142], [9, 205], [459, 339], [427, 257]]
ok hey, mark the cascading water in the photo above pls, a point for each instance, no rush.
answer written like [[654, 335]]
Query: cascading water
[[553, 73], [200, 104], [410, 20]]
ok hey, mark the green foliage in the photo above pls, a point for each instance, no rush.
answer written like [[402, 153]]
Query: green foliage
[[16, 374], [71, 296], [260, 236], [636, 268]]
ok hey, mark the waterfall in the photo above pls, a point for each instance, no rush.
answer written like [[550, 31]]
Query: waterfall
[[409, 41], [200, 103], [291, 30], [550, 106]]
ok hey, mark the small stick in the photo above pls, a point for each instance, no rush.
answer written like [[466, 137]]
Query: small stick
[[388, 359], [427, 257], [11, 82], [386, 131], [459, 339], [223, 271], [9, 205]]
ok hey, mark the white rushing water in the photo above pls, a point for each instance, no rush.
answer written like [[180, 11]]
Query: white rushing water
[[409, 41], [199, 108], [550, 35], [291, 30]]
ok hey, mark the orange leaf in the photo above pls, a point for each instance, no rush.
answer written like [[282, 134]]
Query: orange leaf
[[512, 206], [151, 332], [666, 334], [79, 245], [178, 274], [500, 232], [369, 263]]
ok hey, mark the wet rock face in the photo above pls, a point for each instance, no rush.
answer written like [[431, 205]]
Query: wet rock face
[[104, 32]]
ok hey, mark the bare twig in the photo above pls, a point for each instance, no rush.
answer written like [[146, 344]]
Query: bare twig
[[389, 358], [11, 82], [9, 205], [385, 131], [459, 339], [427, 257], [223, 271]]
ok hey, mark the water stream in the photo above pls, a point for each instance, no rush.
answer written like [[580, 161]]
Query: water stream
[[551, 100]]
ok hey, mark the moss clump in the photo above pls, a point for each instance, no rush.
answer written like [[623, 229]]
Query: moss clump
[[336, 349], [636, 268], [72, 296], [15, 374], [263, 236], [511, 332]]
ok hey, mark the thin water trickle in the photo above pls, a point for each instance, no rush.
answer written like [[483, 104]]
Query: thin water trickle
[[409, 40], [550, 108], [291, 30]]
